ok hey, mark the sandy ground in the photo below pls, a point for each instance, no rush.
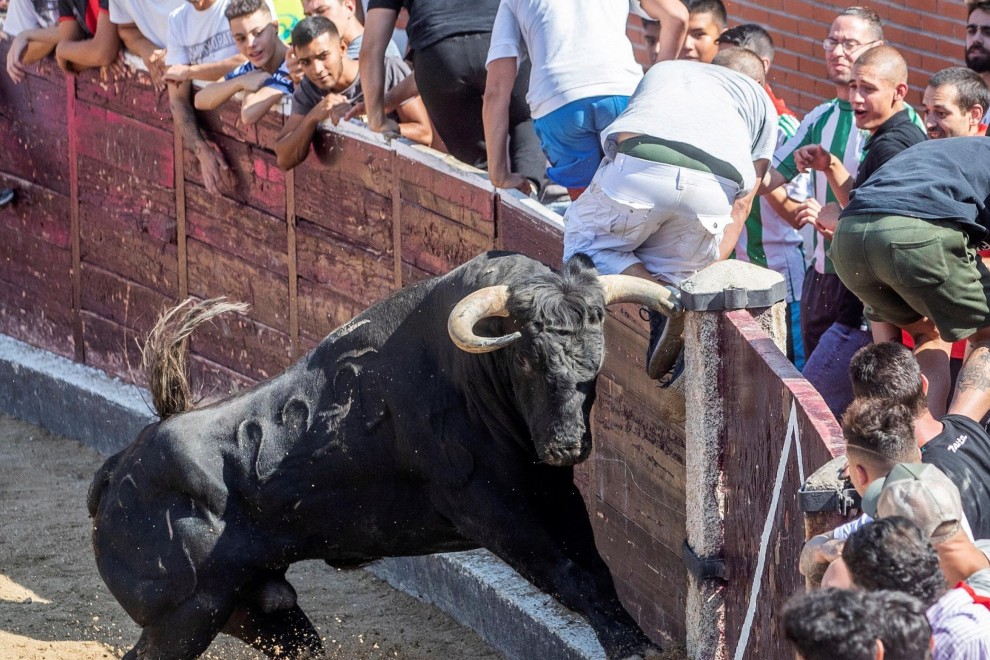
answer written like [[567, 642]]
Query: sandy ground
[[53, 604]]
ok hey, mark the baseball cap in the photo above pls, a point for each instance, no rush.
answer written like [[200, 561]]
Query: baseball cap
[[921, 493]]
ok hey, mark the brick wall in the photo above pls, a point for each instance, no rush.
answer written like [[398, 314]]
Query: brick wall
[[929, 33]]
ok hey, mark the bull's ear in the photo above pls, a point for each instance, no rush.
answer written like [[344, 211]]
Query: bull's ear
[[580, 264]]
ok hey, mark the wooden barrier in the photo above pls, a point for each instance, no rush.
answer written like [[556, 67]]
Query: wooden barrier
[[112, 224]]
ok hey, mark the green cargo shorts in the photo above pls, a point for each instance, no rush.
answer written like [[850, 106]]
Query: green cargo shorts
[[905, 268]]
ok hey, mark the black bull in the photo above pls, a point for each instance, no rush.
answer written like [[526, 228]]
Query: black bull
[[385, 440]]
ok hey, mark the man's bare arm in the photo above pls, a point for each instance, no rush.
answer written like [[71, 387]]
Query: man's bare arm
[[740, 211], [75, 53], [378, 28], [216, 173], [495, 115], [207, 72], [152, 56], [414, 122], [673, 16]]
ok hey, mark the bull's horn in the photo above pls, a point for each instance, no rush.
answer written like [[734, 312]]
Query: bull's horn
[[490, 301], [630, 289]]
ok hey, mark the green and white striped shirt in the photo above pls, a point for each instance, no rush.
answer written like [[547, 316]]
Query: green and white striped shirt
[[770, 241]]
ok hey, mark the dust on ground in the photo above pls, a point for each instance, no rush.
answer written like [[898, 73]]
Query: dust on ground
[[53, 604]]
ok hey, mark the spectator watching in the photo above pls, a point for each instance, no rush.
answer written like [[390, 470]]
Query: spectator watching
[[264, 78], [706, 21], [767, 238], [349, 25], [330, 87], [956, 102], [978, 39], [200, 47]]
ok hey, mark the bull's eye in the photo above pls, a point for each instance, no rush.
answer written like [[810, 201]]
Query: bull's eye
[[522, 361]]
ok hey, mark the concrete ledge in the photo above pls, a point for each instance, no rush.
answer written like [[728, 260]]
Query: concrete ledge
[[476, 588]]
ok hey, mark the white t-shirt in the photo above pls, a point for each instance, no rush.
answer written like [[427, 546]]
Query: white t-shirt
[[712, 108], [199, 37], [29, 15], [150, 17], [578, 49]]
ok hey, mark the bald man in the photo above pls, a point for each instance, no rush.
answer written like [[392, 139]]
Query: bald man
[[877, 89]]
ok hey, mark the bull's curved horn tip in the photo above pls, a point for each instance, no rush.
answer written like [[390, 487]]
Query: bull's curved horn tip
[[483, 303], [630, 289]]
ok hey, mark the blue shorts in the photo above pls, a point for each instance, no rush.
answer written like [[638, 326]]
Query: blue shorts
[[571, 137]]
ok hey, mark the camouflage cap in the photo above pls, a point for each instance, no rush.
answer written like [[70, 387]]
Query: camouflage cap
[[921, 493]]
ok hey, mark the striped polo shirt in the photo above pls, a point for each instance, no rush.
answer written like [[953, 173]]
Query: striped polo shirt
[[832, 125], [770, 241]]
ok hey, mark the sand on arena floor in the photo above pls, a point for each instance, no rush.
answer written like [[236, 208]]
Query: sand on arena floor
[[53, 604]]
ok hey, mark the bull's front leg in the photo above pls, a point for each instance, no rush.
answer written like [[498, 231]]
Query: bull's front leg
[[544, 533]]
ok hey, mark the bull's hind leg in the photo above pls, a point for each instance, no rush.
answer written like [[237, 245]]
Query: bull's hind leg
[[186, 632], [286, 633]]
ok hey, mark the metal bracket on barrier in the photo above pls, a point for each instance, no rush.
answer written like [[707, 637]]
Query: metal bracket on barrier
[[703, 568]]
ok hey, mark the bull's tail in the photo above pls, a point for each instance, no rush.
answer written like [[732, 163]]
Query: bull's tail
[[164, 353]]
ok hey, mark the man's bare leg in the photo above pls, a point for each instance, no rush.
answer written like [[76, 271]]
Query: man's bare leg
[[972, 397], [932, 353]]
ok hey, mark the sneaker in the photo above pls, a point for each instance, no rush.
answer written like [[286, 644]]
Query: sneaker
[[665, 351], [6, 196]]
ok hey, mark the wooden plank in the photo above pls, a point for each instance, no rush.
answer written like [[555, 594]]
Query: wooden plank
[[321, 311], [136, 257], [651, 581], [362, 276], [639, 467], [36, 266], [235, 229], [211, 382], [446, 195], [74, 215], [226, 120], [213, 272], [39, 155], [435, 244], [37, 211], [126, 303], [126, 144], [258, 182], [244, 346], [39, 320], [344, 206], [625, 365], [411, 274], [368, 165], [519, 232], [39, 102], [759, 401], [132, 95], [113, 348], [130, 201]]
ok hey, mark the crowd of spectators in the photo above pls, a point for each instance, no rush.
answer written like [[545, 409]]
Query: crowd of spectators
[[694, 161]]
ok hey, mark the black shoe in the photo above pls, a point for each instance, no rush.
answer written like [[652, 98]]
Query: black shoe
[[665, 351], [6, 196]]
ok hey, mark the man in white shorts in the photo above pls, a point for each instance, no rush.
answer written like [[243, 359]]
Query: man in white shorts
[[682, 166]]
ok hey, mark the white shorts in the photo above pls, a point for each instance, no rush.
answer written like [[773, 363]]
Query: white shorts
[[668, 218]]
